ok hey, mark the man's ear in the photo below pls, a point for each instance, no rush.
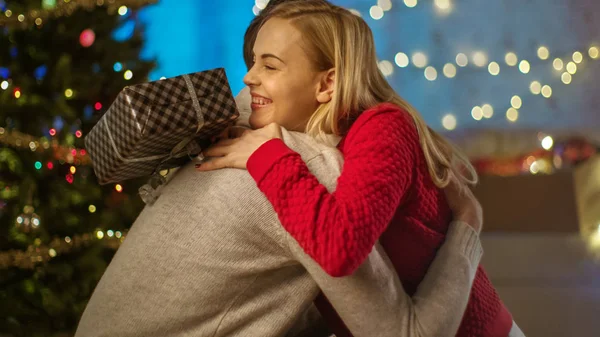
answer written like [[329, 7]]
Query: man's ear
[[326, 86]]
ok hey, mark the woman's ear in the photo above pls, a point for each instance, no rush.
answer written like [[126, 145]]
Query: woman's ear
[[326, 86]]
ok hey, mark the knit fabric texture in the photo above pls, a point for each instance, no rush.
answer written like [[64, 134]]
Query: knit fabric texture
[[385, 192]]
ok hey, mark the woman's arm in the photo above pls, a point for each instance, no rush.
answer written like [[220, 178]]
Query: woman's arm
[[372, 301], [339, 229]]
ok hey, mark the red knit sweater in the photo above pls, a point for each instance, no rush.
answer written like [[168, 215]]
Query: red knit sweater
[[385, 192]]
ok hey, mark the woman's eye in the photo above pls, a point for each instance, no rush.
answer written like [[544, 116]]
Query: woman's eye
[[269, 68]]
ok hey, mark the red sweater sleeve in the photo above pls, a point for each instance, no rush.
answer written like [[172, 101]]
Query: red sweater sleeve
[[338, 230]]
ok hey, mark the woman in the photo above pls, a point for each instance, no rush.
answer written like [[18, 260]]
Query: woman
[[305, 78]]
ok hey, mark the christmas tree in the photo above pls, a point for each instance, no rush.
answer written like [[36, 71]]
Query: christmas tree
[[62, 62]]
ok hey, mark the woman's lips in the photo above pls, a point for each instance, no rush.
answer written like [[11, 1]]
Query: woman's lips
[[259, 102]]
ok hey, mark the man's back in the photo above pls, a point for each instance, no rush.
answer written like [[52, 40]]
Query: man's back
[[205, 260]]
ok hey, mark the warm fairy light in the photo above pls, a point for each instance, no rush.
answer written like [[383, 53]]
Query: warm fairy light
[[419, 60], [118, 188], [571, 68], [123, 10], [543, 53], [488, 111], [577, 57], [535, 87], [386, 67], [401, 60], [430, 73], [449, 70], [524, 66], [511, 59], [516, 102], [566, 78], [376, 12], [449, 122], [477, 113], [558, 64], [594, 52], [410, 3], [494, 68], [386, 5], [547, 142], [462, 60], [68, 93], [128, 75], [72, 169], [546, 91], [512, 114], [479, 59]]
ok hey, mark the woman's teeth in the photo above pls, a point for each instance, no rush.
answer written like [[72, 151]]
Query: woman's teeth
[[261, 101]]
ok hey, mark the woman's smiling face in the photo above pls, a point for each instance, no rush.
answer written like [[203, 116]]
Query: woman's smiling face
[[283, 81]]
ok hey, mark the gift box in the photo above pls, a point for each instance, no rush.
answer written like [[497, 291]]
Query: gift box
[[160, 125]]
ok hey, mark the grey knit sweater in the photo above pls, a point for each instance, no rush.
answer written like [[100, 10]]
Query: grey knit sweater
[[210, 258]]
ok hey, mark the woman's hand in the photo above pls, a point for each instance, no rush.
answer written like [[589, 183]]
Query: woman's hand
[[464, 205], [234, 152]]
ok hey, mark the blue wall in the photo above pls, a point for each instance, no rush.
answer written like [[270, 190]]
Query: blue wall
[[192, 35]]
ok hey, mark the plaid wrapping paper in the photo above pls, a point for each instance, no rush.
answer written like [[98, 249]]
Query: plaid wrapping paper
[[140, 131]]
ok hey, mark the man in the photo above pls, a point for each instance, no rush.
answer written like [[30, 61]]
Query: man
[[210, 258]]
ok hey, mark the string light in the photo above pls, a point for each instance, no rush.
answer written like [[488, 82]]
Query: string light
[[524, 66], [128, 75], [535, 87], [386, 5], [66, 7], [410, 3], [123, 10], [376, 12], [4, 85], [92, 209], [479, 59], [571, 68], [566, 78], [386, 68], [577, 57], [430, 73], [558, 64], [38, 253], [401, 60], [118, 188], [449, 122], [512, 114], [261, 4], [511, 59], [488, 111], [516, 102], [594, 52], [494, 68], [547, 143], [477, 113], [419, 60], [68, 93], [543, 53], [546, 91], [443, 6], [449, 70], [462, 60]]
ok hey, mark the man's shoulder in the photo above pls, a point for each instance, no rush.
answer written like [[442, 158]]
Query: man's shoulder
[[321, 155]]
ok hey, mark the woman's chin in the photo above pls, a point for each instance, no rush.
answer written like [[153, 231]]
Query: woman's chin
[[257, 122]]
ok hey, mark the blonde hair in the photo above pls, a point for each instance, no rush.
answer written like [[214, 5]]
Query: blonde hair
[[337, 39]]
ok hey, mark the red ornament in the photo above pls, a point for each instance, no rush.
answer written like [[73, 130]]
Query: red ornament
[[87, 38]]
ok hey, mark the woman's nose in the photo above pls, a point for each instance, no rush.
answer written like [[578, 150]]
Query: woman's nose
[[250, 79]]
